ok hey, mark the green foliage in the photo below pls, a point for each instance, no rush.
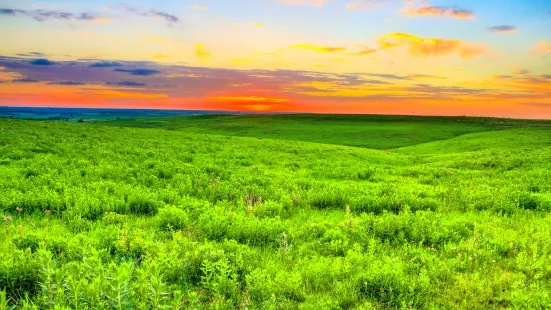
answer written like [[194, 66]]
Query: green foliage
[[19, 274], [373, 131], [141, 204], [124, 218], [218, 224], [172, 218]]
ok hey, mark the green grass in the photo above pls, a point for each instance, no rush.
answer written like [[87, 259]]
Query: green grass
[[371, 131], [139, 218]]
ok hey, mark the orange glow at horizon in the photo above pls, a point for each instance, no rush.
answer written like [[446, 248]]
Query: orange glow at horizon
[[98, 98]]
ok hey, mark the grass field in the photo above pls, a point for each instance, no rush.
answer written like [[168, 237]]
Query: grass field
[[371, 131], [236, 212]]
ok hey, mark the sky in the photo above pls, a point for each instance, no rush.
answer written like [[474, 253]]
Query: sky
[[419, 57]]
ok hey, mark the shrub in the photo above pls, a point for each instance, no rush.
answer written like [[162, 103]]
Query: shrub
[[260, 285], [133, 244], [170, 218], [28, 242], [366, 174], [528, 201], [217, 225], [19, 274], [270, 209], [366, 204], [387, 284], [327, 198], [112, 218], [141, 204], [220, 279]]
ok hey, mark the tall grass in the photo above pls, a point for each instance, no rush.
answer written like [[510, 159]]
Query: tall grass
[[98, 217]]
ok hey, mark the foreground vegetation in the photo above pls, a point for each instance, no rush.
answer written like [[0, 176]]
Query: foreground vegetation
[[99, 217]]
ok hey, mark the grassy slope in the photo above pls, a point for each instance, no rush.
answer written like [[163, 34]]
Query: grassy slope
[[172, 216], [518, 139], [372, 131]]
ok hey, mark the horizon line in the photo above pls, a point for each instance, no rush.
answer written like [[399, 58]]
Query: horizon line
[[229, 112]]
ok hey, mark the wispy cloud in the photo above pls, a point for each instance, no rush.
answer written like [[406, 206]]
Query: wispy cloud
[[171, 19], [505, 29], [105, 64], [318, 48], [426, 76], [42, 15], [521, 72], [168, 17], [425, 9], [139, 71], [535, 83], [31, 54], [543, 46], [364, 51], [67, 83], [25, 80], [418, 46], [127, 83]]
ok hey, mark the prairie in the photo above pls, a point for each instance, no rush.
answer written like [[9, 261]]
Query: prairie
[[370, 131], [275, 212]]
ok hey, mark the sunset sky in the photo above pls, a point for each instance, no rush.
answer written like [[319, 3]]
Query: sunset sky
[[439, 57]]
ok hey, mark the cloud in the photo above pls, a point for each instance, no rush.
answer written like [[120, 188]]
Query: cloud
[[319, 49], [527, 78], [127, 83], [543, 46], [386, 76], [449, 90], [25, 80], [425, 76], [236, 89], [503, 29], [9, 11], [199, 7], [425, 47], [171, 19], [31, 54], [533, 83], [68, 83], [168, 17], [316, 3], [105, 64], [441, 11], [42, 15], [42, 62], [139, 71], [521, 72], [201, 51], [364, 51]]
